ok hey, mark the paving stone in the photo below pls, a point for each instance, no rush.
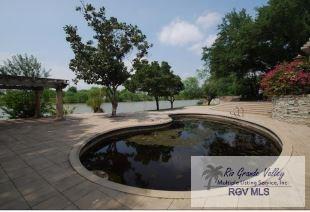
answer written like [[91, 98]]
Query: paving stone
[[153, 203], [78, 191], [98, 200], [13, 165], [33, 186], [24, 173], [110, 192], [40, 163], [71, 207], [40, 195], [55, 173], [3, 176], [129, 200], [17, 204], [178, 204], [68, 182], [8, 192], [6, 155], [58, 157], [53, 203]]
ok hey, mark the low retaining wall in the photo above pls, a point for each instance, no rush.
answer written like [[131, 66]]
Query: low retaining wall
[[293, 109], [230, 98]]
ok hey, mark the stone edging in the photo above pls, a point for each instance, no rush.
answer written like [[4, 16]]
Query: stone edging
[[74, 156]]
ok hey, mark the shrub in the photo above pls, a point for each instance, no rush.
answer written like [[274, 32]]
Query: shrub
[[96, 98], [21, 104], [287, 79]]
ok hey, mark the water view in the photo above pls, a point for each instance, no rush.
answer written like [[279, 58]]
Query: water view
[[128, 107], [124, 107]]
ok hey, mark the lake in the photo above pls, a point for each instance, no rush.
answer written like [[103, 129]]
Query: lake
[[126, 107]]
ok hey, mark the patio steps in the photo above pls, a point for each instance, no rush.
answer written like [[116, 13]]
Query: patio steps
[[259, 108]]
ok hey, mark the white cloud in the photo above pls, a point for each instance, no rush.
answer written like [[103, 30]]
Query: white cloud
[[197, 47], [179, 33], [208, 20], [193, 36]]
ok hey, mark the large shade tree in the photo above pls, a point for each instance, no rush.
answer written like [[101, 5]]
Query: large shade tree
[[192, 90], [101, 60], [156, 79], [247, 47], [147, 78]]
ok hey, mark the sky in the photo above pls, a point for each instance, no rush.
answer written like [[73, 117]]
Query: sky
[[177, 29]]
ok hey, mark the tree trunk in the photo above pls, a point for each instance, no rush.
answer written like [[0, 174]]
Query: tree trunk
[[157, 102], [171, 102], [112, 94], [209, 100], [114, 108]]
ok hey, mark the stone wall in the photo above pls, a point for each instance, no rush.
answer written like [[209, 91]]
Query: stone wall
[[293, 109]]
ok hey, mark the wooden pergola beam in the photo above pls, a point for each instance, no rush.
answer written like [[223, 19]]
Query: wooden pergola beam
[[36, 84], [20, 82]]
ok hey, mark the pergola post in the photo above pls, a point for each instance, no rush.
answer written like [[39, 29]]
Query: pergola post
[[59, 104], [38, 94]]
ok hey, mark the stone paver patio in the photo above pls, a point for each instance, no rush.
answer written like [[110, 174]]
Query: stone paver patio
[[35, 172]]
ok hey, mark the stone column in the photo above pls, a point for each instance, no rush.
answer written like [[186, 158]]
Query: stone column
[[38, 94], [59, 104]]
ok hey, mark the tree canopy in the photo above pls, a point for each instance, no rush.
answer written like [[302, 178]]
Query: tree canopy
[[156, 79], [246, 47], [192, 90], [101, 60], [23, 65]]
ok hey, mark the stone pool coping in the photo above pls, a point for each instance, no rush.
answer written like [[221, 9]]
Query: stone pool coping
[[74, 157]]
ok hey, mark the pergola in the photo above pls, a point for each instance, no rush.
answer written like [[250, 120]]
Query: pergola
[[37, 85]]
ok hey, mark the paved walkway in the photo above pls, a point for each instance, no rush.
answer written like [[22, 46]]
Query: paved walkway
[[35, 171]]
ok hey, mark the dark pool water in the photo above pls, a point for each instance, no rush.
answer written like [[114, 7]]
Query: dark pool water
[[160, 159]]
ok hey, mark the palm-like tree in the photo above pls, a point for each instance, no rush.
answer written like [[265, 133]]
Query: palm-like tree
[[212, 173]]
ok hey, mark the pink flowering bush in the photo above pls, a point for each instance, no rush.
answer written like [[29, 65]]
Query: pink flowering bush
[[287, 79]]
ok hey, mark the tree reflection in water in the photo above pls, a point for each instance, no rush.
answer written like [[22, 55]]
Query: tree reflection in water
[[160, 159]]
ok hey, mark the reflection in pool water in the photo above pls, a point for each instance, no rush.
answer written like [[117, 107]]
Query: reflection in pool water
[[160, 159]]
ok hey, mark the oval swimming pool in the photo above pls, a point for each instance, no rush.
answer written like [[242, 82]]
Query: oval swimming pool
[[160, 159]]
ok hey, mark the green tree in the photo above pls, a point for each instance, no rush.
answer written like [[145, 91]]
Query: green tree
[[233, 51], [210, 89], [72, 89], [23, 65], [127, 96], [173, 83], [150, 78], [82, 96], [192, 90], [96, 98], [101, 60], [249, 46], [282, 27], [21, 104]]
